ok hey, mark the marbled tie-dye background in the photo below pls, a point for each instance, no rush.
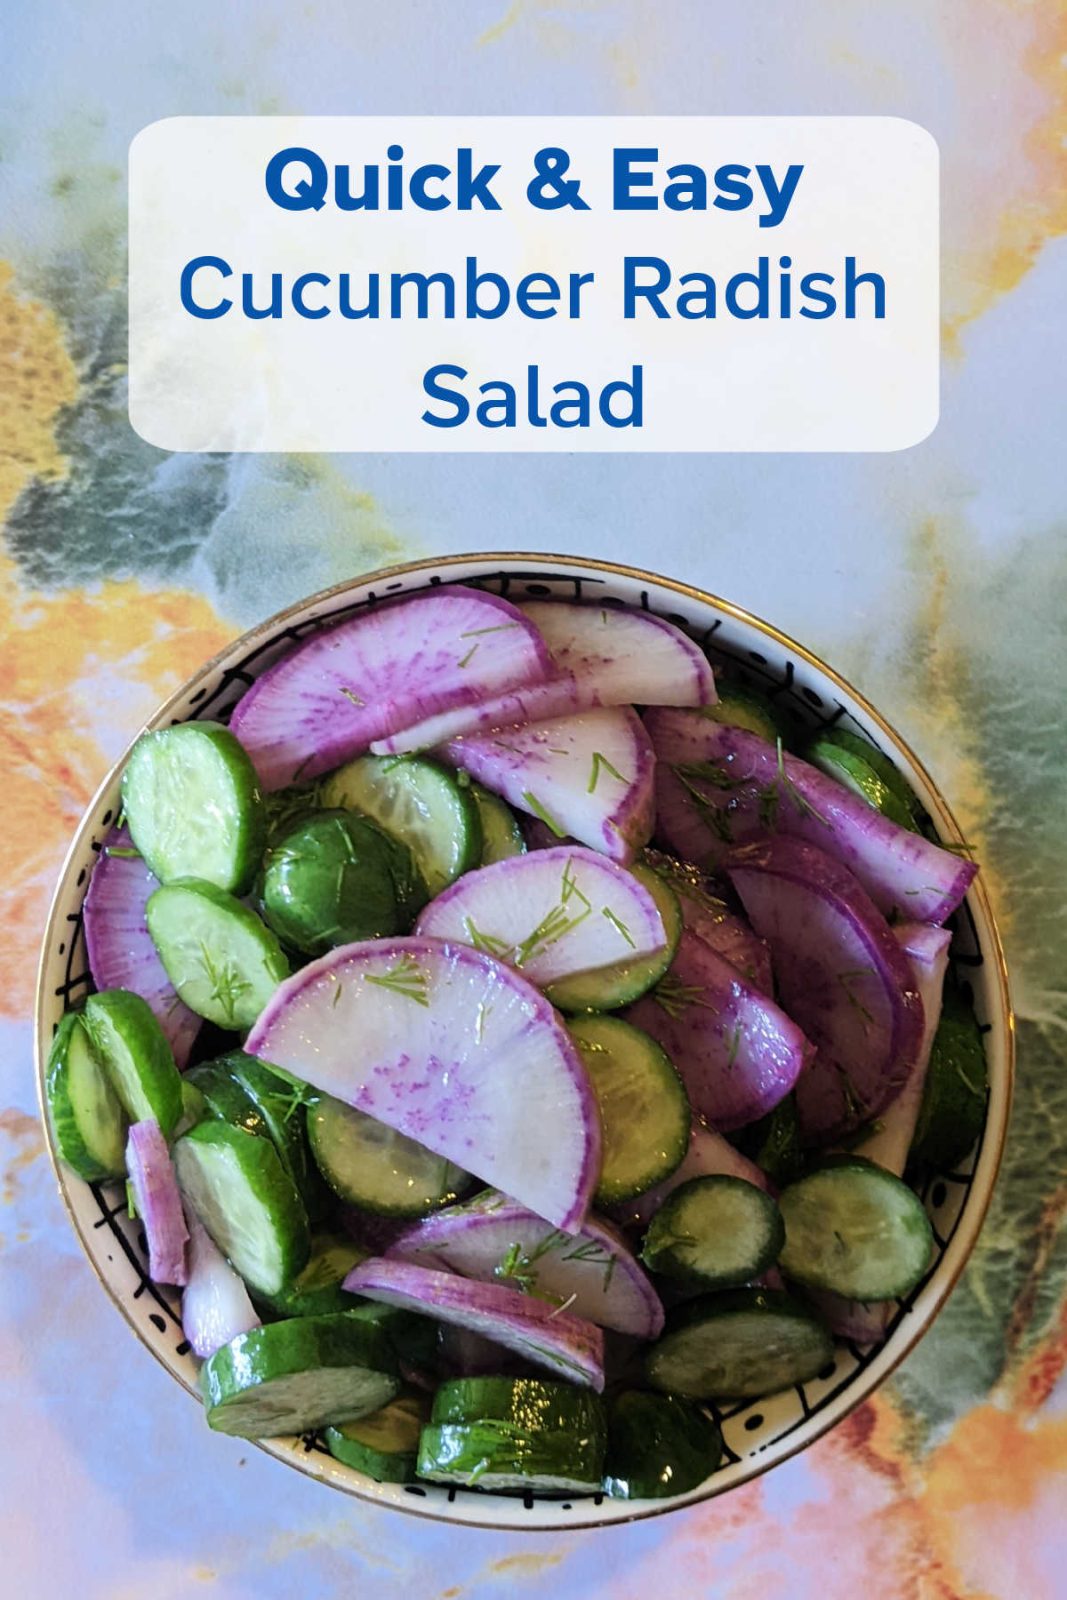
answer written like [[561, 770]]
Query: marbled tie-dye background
[[936, 579]]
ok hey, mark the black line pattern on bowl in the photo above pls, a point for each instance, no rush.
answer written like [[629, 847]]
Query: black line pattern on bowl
[[757, 1429]]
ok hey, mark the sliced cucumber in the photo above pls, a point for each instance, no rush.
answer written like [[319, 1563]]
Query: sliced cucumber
[[644, 1111], [370, 1165], [744, 708], [419, 803], [291, 1377], [501, 835], [530, 1403], [132, 1048], [193, 805], [414, 1338], [219, 956], [224, 1098], [954, 1091], [87, 1119], [194, 1108], [501, 1455], [316, 1290], [714, 1233], [658, 1444], [335, 878], [625, 981], [243, 1195], [384, 1445], [281, 1102], [866, 771], [855, 1229], [738, 1345], [773, 1143]]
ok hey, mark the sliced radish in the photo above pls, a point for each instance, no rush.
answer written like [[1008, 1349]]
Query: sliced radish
[[551, 913], [494, 1239], [927, 951], [600, 657], [453, 1048], [840, 973], [709, 1155], [547, 1335], [215, 1303], [336, 691], [737, 1052], [158, 1201], [119, 946], [588, 776], [719, 786], [708, 916]]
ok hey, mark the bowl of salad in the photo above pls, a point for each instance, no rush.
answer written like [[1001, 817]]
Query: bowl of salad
[[523, 1041]]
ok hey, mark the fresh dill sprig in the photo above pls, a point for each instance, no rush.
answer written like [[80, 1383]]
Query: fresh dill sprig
[[463, 660], [121, 853], [620, 926], [404, 977], [534, 805], [602, 762], [676, 997]]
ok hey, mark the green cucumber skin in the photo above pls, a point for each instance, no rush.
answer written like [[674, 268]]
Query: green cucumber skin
[[244, 802], [818, 1211], [744, 708], [237, 1011], [361, 785], [108, 1159], [128, 1041], [282, 1104], [502, 837], [469, 1453], [269, 1187], [773, 1143], [235, 1377], [658, 1445], [881, 765], [626, 981], [667, 1248], [331, 881], [852, 766], [316, 1290], [663, 1121], [225, 1099], [953, 1108], [385, 1444], [524, 1403], [797, 1352]]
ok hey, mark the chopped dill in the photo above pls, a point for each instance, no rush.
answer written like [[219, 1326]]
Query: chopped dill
[[350, 694], [404, 977], [600, 761], [619, 925], [534, 806]]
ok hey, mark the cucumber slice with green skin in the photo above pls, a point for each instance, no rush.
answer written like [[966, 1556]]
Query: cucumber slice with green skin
[[384, 1445], [501, 835], [714, 1233], [281, 1102], [744, 708], [528, 1404], [773, 1143], [501, 1455], [854, 1228], [413, 1338], [194, 1108], [644, 1110], [658, 1445], [618, 985], [418, 802], [223, 961], [331, 880], [193, 806], [243, 1195], [852, 765], [132, 1048], [291, 1377], [316, 1290], [371, 1166], [952, 1111], [876, 761], [738, 1345], [86, 1116], [224, 1098]]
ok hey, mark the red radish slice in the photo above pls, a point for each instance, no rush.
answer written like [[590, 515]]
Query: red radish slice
[[335, 692], [119, 946], [589, 776], [550, 914], [709, 1155], [718, 786], [158, 1201], [601, 657], [708, 916], [494, 1239], [547, 1335], [451, 1047], [840, 973], [927, 951], [215, 1303], [737, 1052]]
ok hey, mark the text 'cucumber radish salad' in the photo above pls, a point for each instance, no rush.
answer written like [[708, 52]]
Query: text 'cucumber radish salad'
[[514, 1046]]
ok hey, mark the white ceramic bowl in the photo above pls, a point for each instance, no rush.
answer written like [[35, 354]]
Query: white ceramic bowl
[[758, 1434]]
